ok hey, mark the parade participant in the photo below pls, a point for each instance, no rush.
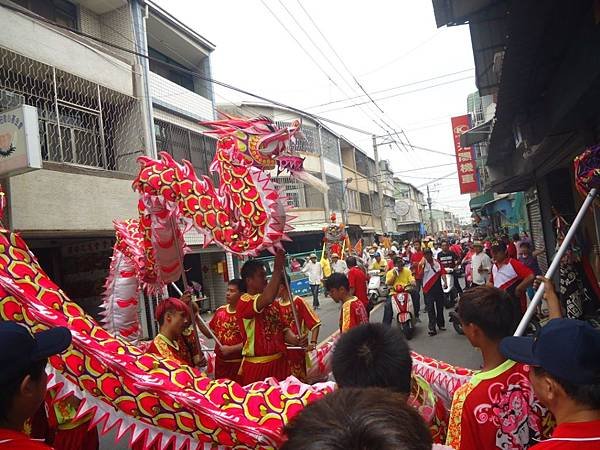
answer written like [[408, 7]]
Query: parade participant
[[263, 330], [358, 419], [390, 260], [395, 247], [456, 249], [529, 259], [358, 281], [415, 259], [23, 379], [496, 409], [432, 272], [338, 265], [69, 431], [449, 260], [225, 326], [189, 334], [399, 279], [565, 358], [295, 265], [173, 317], [378, 263], [372, 355], [513, 246], [511, 276], [353, 312], [315, 274], [437, 249], [481, 264], [309, 322]]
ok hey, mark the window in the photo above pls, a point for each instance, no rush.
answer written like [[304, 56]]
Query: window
[[365, 203], [329, 142], [335, 193], [352, 198], [314, 198], [62, 12], [308, 144], [182, 77]]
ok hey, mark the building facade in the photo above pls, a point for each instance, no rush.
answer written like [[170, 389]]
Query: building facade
[[409, 206]]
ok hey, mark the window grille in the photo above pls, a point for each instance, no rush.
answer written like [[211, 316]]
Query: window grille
[[365, 203], [329, 142], [309, 143], [80, 122]]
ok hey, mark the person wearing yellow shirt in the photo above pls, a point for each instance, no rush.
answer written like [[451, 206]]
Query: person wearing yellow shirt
[[399, 277], [378, 263]]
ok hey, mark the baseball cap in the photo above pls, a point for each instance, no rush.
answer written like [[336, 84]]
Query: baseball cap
[[20, 348], [477, 244], [568, 349], [376, 254], [312, 255], [335, 255]]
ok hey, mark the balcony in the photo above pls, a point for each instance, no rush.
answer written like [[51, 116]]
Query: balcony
[[171, 96]]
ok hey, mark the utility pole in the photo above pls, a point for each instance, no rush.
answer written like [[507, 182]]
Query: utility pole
[[378, 181], [430, 212]]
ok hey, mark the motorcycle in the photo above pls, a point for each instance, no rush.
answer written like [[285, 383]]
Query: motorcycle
[[377, 289], [450, 292], [404, 312]]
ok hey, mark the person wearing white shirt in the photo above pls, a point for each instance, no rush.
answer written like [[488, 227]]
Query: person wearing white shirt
[[315, 274], [338, 265], [481, 264]]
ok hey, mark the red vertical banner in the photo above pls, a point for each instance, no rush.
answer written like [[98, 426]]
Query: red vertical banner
[[465, 162]]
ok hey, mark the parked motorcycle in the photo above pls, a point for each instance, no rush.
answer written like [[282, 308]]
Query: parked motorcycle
[[404, 312], [450, 292], [377, 290]]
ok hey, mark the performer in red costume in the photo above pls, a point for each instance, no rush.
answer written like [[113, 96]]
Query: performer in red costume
[[309, 322], [224, 324], [353, 312], [264, 332]]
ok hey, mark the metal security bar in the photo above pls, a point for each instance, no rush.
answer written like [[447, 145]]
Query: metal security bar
[[81, 123]]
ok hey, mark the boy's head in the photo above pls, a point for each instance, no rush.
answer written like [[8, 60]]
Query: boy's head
[[377, 256], [351, 261], [486, 315], [417, 245], [428, 255], [516, 237], [525, 248], [173, 316], [338, 287], [373, 355], [23, 359], [499, 251], [357, 419], [398, 262], [566, 363], [254, 276], [335, 257], [445, 246], [234, 291]]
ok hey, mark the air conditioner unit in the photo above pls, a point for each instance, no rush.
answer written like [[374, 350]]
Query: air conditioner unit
[[10, 100]]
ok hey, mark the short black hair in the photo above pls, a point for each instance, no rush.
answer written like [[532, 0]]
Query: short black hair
[[351, 261], [373, 355], [336, 281], [248, 270], [584, 394], [9, 389], [358, 419], [490, 309], [237, 282], [516, 237], [525, 244], [398, 259], [499, 247]]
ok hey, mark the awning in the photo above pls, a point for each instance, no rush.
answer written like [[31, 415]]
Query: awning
[[476, 134], [480, 200], [311, 227], [496, 198]]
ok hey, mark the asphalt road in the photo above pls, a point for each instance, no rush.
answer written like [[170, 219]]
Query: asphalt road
[[447, 346]]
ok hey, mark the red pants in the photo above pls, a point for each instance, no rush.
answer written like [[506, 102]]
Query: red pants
[[258, 371], [79, 438], [227, 369], [297, 363]]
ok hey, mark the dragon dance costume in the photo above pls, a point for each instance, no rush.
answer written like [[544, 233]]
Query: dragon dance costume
[[225, 325]]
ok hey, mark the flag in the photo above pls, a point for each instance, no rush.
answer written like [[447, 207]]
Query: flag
[[358, 247]]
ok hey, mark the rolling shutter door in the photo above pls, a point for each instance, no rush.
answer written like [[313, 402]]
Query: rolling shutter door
[[537, 234]]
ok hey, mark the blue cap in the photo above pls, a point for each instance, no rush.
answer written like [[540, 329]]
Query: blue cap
[[565, 348], [20, 348]]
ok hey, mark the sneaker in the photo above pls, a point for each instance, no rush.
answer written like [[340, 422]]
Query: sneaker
[[432, 332], [442, 328]]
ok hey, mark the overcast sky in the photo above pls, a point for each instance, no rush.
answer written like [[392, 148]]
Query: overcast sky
[[384, 44]]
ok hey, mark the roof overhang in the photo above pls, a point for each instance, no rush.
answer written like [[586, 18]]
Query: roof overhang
[[476, 134]]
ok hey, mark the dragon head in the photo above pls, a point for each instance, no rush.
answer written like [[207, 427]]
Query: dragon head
[[258, 141]]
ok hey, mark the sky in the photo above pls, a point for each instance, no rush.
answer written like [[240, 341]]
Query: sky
[[381, 44]]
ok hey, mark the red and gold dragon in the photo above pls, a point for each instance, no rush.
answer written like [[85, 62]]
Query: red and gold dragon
[[156, 400]]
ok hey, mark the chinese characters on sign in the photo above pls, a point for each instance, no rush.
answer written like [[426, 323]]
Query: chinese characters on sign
[[465, 163]]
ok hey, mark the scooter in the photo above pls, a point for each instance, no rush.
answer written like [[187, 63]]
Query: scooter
[[376, 289], [450, 292], [404, 312]]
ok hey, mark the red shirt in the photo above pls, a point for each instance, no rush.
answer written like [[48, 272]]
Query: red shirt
[[178, 350], [573, 436], [10, 439], [307, 318], [511, 250], [415, 259], [352, 314], [457, 250], [497, 409], [225, 325], [262, 330], [358, 280]]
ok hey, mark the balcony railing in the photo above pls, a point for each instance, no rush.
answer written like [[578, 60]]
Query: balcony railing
[[80, 122]]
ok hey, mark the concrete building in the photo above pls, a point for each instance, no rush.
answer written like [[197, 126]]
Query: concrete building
[[346, 169], [409, 206], [93, 125]]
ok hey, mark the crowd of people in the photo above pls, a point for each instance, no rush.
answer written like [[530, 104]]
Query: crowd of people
[[541, 392]]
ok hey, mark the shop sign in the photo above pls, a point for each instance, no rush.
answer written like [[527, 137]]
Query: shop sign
[[20, 149], [465, 162]]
